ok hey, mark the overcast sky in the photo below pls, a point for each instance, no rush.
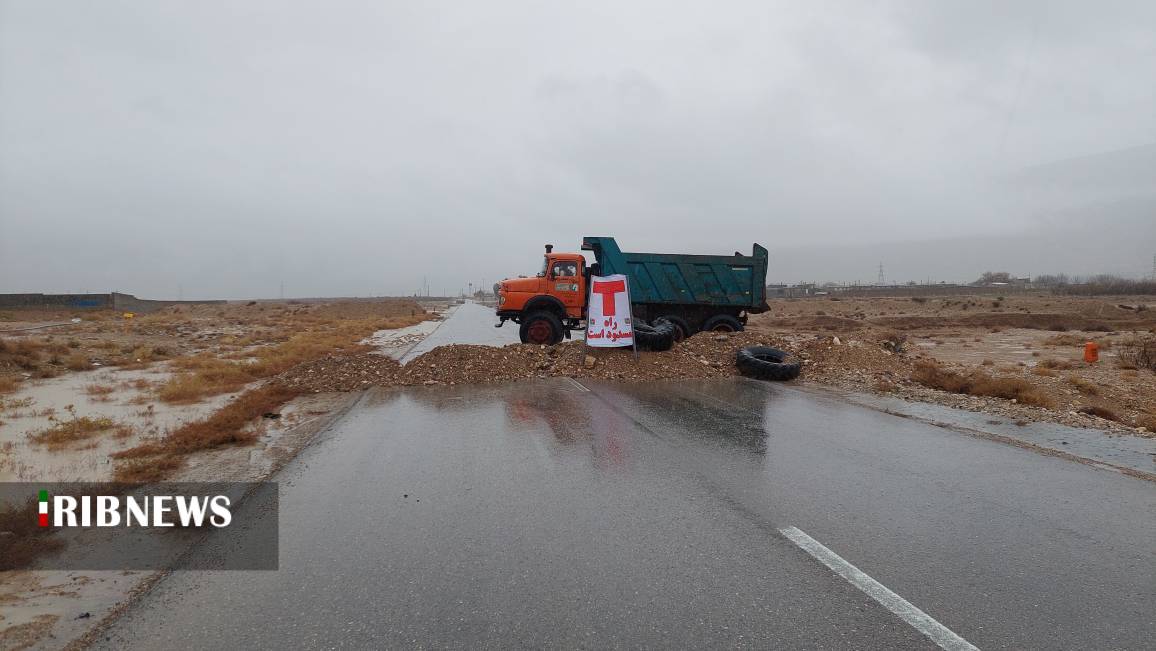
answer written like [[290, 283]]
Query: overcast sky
[[342, 148]]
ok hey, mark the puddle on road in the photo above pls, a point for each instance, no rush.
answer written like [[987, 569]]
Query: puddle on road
[[397, 342], [1131, 452]]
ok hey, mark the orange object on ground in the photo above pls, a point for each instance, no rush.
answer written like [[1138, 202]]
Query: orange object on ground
[[1091, 352]]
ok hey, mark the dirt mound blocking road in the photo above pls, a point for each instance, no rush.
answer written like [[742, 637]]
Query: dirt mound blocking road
[[703, 356]]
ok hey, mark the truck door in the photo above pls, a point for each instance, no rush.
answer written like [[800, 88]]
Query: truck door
[[566, 284]]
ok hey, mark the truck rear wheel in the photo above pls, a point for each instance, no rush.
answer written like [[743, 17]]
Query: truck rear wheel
[[681, 328], [541, 328], [722, 323]]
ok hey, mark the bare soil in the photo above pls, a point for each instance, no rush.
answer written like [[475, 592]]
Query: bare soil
[[1034, 342], [873, 345]]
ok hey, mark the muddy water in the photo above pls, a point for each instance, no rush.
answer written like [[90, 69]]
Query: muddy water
[[1005, 347], [87, 460]]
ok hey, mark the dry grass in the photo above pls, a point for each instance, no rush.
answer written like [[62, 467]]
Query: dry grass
[[30, 356], [229, 426], [99, 391], [1100, 412], [77, 362], [25, 539], [8, 384], [1044, 372], [976, 383], [1065, 340], [132, 357], [146, 471], [202, 376], [1059, 364], [71, 430], [335, 329], [1084, 386]]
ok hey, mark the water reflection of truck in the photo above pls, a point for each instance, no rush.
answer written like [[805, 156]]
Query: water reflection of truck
[[693, 292]]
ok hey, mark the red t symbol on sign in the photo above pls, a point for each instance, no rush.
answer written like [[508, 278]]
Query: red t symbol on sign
[[608, 290]]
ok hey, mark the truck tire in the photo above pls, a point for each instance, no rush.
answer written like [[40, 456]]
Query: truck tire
[[765, 363], [541, 328], [681, 328], [722, 323], [657, 338]]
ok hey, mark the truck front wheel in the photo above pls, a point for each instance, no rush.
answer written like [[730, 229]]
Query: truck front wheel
[[541, 328]]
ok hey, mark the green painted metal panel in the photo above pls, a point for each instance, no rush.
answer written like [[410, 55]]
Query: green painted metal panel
[[676, 279]]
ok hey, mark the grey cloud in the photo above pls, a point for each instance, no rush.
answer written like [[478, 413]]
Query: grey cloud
[[359, 148]]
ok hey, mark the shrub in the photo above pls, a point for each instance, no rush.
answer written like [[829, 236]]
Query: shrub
[[1084, 386], [1099, 412], [77, 362], [8, 384], [976, 383], [24, 539], [1137, 353], [68, 431], [154, 461]]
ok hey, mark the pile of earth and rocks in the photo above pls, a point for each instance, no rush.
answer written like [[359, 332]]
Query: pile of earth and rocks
[[872, 363], [702, 356]]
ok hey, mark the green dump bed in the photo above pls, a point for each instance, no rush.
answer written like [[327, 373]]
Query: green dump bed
[[735, 281]]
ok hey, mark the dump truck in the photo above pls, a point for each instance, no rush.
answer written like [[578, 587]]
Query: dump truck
[[692, 292]]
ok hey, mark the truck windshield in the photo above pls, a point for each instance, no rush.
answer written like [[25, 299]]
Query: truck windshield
[[542, 271]]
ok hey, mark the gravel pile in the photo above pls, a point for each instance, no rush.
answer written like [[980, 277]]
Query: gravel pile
[[856, 364], [702, 356]]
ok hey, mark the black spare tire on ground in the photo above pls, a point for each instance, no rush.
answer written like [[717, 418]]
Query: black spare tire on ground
[[766, 363], [681, 327], [657, 337]]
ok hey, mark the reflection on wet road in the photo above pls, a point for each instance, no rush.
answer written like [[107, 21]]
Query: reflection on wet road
[[554, 513]]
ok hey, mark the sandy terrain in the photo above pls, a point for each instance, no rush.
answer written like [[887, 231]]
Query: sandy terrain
[[104, 385], [1036, 340]]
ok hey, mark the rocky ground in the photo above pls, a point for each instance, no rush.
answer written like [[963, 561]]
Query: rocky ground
[[869, 345]]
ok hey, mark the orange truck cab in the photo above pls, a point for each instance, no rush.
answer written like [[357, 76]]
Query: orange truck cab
[[549, 305], [693, 292]]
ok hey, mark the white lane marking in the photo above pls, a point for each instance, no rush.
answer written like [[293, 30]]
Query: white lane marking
[[906, 611], [578, 384]]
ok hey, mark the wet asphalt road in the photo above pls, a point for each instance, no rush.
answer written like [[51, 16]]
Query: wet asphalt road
[[470, 323], [546, 514]]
